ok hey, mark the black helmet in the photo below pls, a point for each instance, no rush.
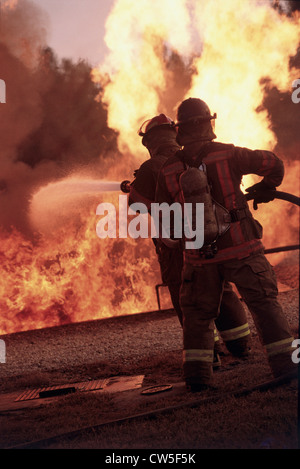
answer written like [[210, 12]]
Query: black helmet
[[194, 109]]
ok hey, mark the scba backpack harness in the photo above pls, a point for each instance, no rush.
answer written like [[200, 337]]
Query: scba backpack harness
[[195, 189]]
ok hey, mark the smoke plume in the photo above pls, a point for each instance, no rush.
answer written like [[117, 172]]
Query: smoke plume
[[51, 125]]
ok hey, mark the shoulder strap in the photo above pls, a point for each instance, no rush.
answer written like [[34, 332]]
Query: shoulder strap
[[181, 156], [194, 160]]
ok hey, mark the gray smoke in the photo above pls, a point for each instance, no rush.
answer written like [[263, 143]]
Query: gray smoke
[[51, 125]]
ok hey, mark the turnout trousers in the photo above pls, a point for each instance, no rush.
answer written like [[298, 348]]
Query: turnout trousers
[[200, 299], [232, 322]]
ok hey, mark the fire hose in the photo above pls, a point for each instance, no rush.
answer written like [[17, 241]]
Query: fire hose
[[150, 414], [276, 195], [293, 199], [262, 387], [125, 186], [273, 194]]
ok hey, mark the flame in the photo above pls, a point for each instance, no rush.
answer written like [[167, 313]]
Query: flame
[[11, 4], [243, 45], [135, 35], [233, 49], [230, 49], [70, 275], [240, 44]]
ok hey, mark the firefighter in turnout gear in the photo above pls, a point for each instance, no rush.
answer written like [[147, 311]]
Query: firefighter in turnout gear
[[236, 254], [159, 137]]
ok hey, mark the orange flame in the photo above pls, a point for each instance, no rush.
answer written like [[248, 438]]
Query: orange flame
[[241, 43], [69, 274], [9, 4], [235, 46]]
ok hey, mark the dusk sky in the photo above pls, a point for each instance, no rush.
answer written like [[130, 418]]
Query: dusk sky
[[76, 27]]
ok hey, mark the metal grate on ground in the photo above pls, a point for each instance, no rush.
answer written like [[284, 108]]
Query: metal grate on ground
[[84, 386], [110, 385]]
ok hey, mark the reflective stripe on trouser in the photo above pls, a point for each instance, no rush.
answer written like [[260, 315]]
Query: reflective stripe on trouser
[[198, 355], [198, 332], [281, 346], [232, 323], [254, 277], [197, 366], [280, 356], [235, 333], [256, 282], [217, 347]]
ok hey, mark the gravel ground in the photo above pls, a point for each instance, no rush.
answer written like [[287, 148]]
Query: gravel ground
[[114, 340], [122, 340], [148, 344]]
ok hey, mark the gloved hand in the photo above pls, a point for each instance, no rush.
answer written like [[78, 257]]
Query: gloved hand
[[135, 173], [261, 192]]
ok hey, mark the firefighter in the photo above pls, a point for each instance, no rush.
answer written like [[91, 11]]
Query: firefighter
[[236, 256], [159, 137]]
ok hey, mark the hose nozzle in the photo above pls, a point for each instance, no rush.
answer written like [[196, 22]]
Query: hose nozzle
[[125, 186]]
